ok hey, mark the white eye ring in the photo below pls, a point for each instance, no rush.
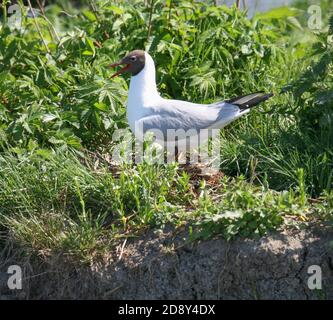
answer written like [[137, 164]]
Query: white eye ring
[[133, 58]]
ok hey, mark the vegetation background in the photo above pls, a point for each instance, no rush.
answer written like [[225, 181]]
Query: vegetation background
[[59, 191]]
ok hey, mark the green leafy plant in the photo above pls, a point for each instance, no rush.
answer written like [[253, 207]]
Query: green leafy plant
[[59, 109]]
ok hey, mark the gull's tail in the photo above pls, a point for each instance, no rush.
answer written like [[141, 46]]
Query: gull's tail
[[250, 100]]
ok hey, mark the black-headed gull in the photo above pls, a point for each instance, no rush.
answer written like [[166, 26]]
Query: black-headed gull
[[147, 110]]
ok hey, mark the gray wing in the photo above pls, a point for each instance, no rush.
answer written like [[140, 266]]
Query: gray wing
[[176, 114]]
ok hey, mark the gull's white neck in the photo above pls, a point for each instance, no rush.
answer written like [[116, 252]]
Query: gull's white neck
[[143, 94]]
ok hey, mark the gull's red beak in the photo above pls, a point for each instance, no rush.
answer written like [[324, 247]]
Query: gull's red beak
[[122, 70]]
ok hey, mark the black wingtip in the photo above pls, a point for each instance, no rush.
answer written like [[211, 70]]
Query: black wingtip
[[254, 101], [233, 100]]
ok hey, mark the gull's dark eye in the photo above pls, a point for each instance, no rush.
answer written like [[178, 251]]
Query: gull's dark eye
[[133, 58]]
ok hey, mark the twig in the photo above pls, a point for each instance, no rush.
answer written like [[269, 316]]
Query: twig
[[169, 15], [238, 3], [122, 249], [152, 2], [37, 27], [95, 11], [108, 293], [41, 8], [51, 27], [96, 14], [4, 12]]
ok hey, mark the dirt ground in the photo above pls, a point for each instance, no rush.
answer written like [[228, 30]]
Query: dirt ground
[[162, 265]]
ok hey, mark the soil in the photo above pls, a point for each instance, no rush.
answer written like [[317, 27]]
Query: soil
[[164, 265]]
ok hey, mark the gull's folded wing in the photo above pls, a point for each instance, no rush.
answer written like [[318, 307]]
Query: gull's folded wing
[[176, 114]]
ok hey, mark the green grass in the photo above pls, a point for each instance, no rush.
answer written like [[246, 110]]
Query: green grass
[[62, 205], [59, 109]]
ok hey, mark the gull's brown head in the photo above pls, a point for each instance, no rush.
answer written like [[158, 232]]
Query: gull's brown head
[[134, 62]]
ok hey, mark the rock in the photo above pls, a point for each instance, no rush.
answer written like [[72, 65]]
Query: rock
[[272, 267]]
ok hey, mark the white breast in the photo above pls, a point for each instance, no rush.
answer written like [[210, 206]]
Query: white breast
[[143, 95]]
